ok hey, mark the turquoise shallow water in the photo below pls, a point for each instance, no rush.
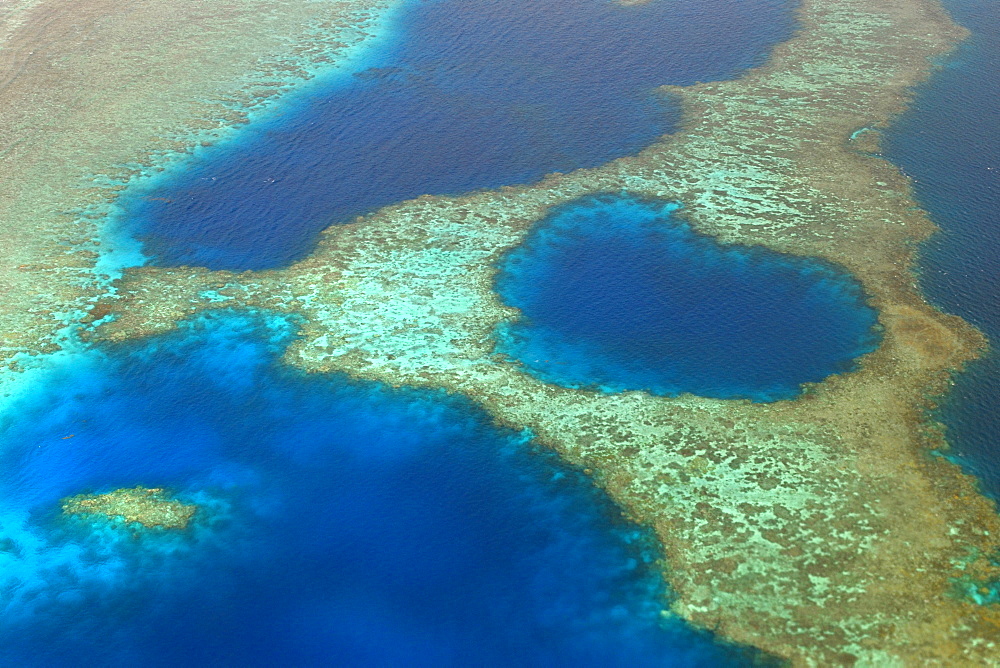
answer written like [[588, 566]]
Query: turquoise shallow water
[[619, 293], [949, 142], [342, 523]]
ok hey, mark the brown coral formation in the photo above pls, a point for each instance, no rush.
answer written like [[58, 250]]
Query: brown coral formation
[[149, 507]]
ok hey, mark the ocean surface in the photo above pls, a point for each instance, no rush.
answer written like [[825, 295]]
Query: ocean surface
[[342, 523], [457, 96], [618, 293], [949, 142]]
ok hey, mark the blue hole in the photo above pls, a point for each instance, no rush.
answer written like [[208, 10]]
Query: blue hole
[[617, 293]]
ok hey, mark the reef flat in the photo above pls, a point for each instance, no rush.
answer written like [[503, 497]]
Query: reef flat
[[111, 88], [149, 507], [818, 529]]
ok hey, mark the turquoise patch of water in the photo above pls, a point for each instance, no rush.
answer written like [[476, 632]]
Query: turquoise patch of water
[[341, 523]]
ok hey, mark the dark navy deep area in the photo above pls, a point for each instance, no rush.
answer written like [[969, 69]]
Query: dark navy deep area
[[949, 142], [461, 96], [341, 524], [617, 293]]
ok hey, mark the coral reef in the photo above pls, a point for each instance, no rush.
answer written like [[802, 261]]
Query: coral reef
[[150, 507], [818, 529]]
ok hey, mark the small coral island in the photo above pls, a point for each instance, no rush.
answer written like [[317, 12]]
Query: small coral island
[[149, 507]]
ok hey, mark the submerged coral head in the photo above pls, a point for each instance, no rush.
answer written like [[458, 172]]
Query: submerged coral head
[[147, 506]]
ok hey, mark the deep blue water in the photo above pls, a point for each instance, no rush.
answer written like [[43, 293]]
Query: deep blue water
[[949, 142], [343, 523], [618, 293], [461, 96]]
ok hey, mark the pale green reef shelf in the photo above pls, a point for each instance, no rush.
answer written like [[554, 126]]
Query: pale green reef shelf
[[819, 529]]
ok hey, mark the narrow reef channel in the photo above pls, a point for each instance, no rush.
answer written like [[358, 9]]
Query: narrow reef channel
[[619, 293], [949, 142]]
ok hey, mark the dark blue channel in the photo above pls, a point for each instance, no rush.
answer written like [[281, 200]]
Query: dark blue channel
[[462, 95], [949, 142], [342, 524], [619, 294]]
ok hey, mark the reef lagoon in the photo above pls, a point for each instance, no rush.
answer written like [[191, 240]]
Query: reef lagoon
[[619, 293], [456, 96]]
